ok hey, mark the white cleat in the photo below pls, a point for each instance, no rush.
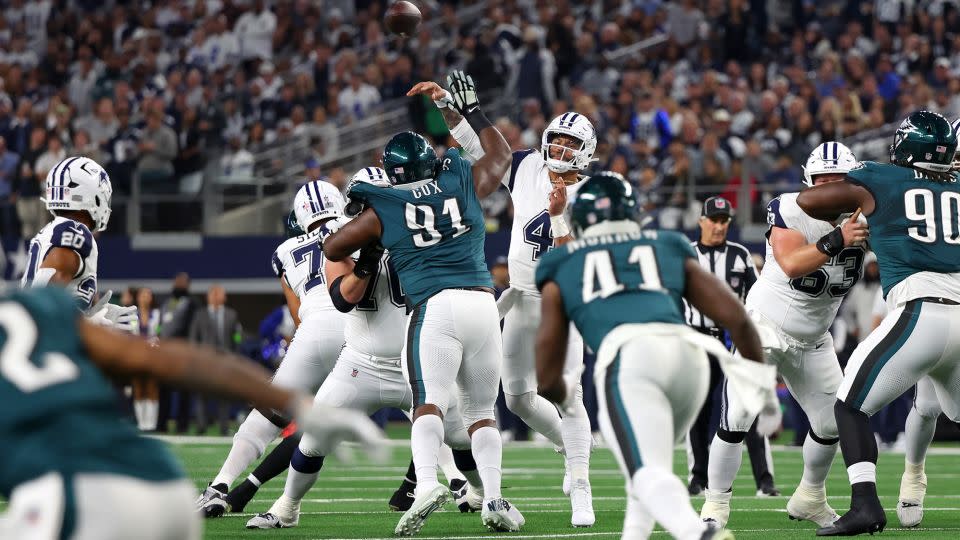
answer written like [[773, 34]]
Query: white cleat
[[469, 499], [213, 501], [716, 508], [581, 502], [269, 520], [810, 504], [913, 488], [501, 516], [425, 504]]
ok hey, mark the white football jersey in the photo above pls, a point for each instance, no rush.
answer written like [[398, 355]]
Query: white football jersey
[[376, 325], [803, 307], [529, 183], [72, 235], [300, 261]]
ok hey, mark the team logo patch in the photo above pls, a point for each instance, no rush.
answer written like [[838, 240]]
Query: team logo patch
[[941, 149], [721, 203], [602, 203], [355, 372]]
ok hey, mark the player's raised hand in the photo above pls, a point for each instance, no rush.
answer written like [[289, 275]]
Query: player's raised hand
[[855, 232], [463, 91], [441, 98], [557, 201]]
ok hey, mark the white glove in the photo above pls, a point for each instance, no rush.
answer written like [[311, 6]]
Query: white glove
[[125, 319], [335, 225], [770, 417], [506, 301], [333, 425], [463, 91]]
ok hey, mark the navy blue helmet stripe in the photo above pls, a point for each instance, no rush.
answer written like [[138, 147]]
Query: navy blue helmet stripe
[[573, 119], [313, 203], [63, 179], [316, 190]]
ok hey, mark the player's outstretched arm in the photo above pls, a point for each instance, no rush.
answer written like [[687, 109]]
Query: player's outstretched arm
[[552, 344], [488, 170], [828, 201], [359, 233], [59, 267], [715, 300], [349, 280]]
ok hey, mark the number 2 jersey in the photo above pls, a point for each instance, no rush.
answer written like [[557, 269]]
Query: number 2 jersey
[[803, 307], [60, 413], [300, 261], [434, 229], [530, 238], [619, 276], [914, 230], [75, 236]]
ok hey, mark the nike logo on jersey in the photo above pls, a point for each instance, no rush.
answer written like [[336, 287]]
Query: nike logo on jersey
[[430, 188], [819, 345]]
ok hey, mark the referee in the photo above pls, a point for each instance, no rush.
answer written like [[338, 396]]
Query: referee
[[733, 264]]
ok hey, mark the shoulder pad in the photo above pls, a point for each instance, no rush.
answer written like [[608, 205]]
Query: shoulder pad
[[871, 172], [72, 235], [518, 158]]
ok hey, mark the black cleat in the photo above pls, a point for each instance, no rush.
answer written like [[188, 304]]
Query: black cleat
[[868, 518], [695, 487], [403, 497], [239, 496], [767, 489]]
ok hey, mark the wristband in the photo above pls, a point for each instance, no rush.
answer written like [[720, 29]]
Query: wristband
[[445, 101], [477, 120], [558, 227], [339, 302], [831, 244]]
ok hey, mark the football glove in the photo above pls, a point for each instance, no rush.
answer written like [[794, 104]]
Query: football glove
[[122, 318], [332, 425], [463, 92], [368, 263]]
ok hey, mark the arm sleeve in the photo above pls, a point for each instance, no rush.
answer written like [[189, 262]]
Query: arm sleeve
[[468, 139]]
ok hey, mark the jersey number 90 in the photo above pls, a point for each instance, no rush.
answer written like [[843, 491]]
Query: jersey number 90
[[919, 206]]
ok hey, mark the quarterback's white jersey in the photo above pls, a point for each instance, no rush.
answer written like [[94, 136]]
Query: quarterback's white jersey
[[72, 235], [300, 261], [803, 307], [529, 183], [376, 325]]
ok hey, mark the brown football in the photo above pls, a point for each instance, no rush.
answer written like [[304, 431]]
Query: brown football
[[403, 18]]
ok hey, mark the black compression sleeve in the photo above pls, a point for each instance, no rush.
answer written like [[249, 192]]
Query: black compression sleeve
[[339, 302]]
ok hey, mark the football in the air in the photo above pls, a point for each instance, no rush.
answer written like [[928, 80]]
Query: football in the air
[[403, 18]]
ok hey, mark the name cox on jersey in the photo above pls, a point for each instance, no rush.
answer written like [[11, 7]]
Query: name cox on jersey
[[850, 261]]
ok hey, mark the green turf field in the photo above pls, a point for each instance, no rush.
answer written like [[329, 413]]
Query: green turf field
[[350, 501]]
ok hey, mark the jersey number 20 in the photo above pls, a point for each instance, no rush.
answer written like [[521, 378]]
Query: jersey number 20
[[600, 278], [21, 340], [423, 218]]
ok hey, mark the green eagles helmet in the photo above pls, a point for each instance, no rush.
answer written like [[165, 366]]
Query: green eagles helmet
[[605, 196], [925, 140], [293, 227], [408, 158]]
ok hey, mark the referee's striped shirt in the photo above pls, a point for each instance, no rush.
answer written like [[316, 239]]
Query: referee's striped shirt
[[732, 263]]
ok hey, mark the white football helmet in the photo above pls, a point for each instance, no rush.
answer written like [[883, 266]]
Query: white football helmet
[[369, 175], [828, 158], [80, 183], [573, 125], [317, 200]]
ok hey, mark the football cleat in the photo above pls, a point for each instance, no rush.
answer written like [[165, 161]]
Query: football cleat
[[767, 489], [213, 502], [269, 520], [501, 516], [713, 533], [425, 504], [403, 497], [859, 520], [239, 496], [470, 499], [581, 502], [913, 488], [716, 508], [811, 505]]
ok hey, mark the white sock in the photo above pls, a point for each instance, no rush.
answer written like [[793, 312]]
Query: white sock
[[298, 484], [817, 459], [426, 436], [919, 434], [487, 449], [447, 464], [539, 414], [152, 409], [140, 414], [577, 441], [665, 498], [241, 455], [285, 507], [724, 464], [862, 472]]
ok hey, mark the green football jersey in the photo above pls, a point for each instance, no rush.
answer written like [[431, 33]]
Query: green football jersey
[[621, 278], [915, 226], [433, 229], [59, 412]]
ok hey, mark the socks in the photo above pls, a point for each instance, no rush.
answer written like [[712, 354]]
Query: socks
[[488, 452], [303, 473], [637, 522], [151, 412], [425, 440], [241, 455], [538, 413], [447, 465], [919, 434], [862, 472], [577, 440], [276, 461], [817, 459], [411, 476], [725, 459], [665, 498], [139, 412]]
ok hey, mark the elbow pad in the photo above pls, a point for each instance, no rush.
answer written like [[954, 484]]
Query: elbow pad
[[339, 302]]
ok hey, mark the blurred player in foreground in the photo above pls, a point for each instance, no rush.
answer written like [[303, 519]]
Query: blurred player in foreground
[[913, 208], [622, 287], [73, 467]]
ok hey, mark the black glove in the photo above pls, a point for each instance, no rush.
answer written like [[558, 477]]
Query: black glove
[[831, 244], [369, 261]]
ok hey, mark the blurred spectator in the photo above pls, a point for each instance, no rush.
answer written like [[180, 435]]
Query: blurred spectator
[[121, 151], [9, 169], [651, 123], [19, 128], [29, 186], [312, 170], [358, 98], [146, 392], [500, 274], [176, 318], [254, 31], [236, 165], [533, 71], [83, 146], [101, 126], [158, 148]]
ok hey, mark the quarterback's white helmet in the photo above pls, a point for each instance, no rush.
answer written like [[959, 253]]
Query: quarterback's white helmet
[[80, 183], [317, 200], [573, 125], [828, 158]]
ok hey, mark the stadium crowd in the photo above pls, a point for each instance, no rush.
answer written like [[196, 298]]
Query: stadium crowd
[[737, 93]]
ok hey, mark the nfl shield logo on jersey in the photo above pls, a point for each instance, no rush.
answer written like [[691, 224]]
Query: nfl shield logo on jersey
[[355, 372]]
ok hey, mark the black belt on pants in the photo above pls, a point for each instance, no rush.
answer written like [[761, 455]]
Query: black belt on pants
[[411, 307], [938, 300]]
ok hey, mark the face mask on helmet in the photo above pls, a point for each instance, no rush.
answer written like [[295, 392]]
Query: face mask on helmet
[[80, 184], [316, 201], [828, 158], [576, 129]]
